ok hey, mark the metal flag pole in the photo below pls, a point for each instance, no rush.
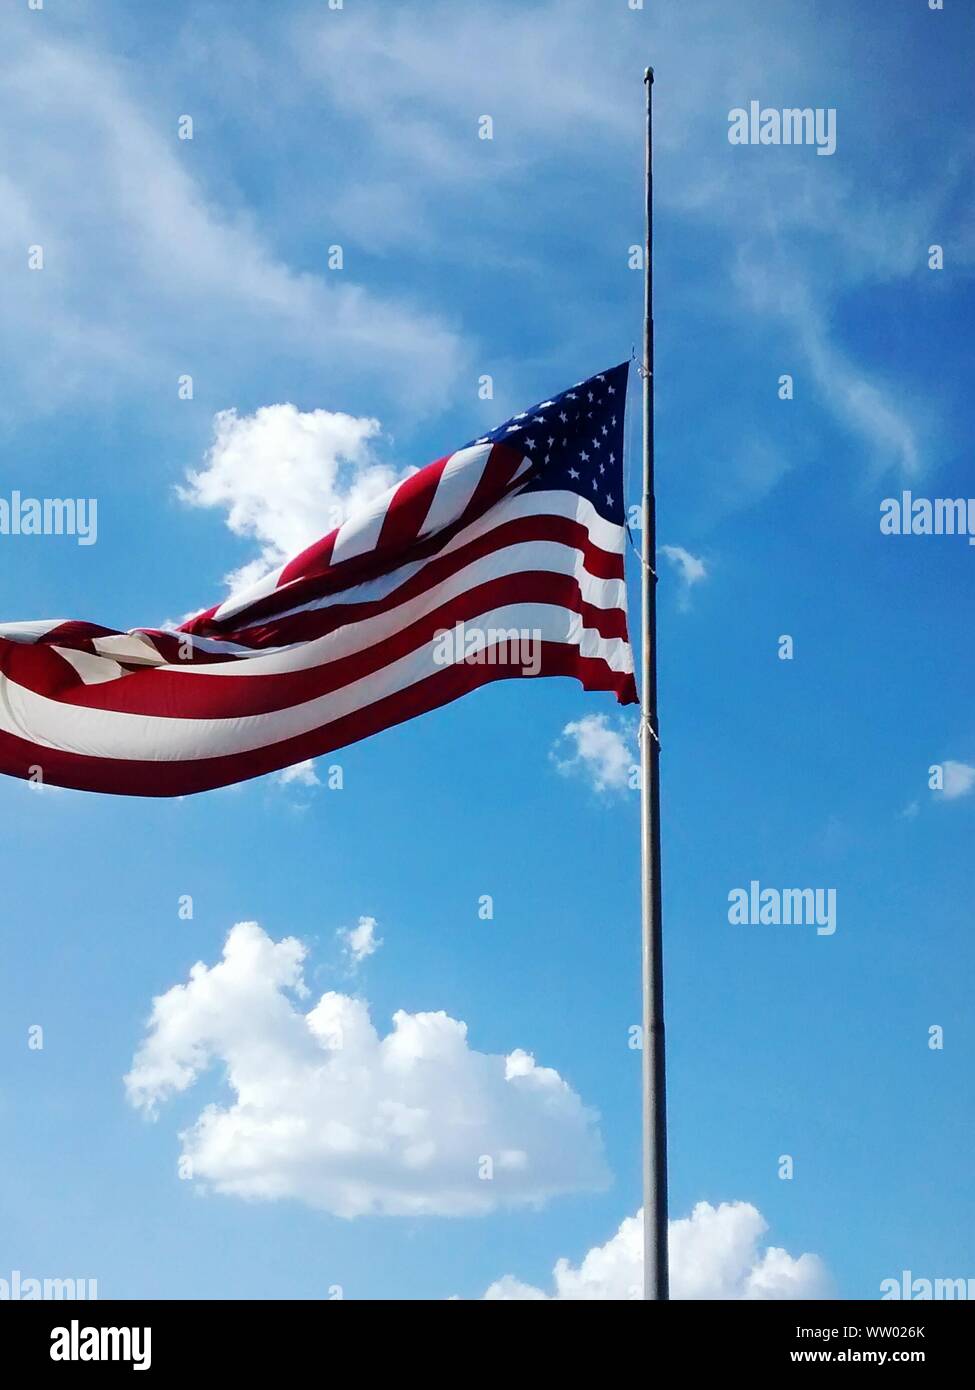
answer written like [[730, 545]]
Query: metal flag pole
[[655, 1266]]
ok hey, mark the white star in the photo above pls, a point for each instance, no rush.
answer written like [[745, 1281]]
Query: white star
[[612, 458], [609, 499], [530, 444], [612, 390], [573, 473], [562, 416], [584, 456]]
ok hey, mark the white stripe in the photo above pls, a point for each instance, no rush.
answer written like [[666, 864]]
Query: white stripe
[[361, 532], [206, 644], [91, 669], [461, 474], [147, 738], [134, 647], [260, 589], [31, 631]]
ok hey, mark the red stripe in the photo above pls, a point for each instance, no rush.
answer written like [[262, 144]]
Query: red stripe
[[39, 668], [409, 507], [502, 464], [77, 635], [195, 695], [317, 559], [142, 778], [201, 623]]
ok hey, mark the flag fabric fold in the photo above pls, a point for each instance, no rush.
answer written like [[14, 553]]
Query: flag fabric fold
[[502, 560]]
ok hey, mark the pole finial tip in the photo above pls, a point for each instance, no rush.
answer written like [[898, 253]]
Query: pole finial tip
[[648, 75]]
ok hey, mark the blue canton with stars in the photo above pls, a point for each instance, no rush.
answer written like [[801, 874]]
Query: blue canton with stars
[[575, 441]]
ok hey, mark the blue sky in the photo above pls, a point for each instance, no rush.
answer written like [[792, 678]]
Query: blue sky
[[463, 256]]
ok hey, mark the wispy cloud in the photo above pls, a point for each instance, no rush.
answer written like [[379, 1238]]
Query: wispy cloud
[[794, 243], [147, 275], [690, 569]]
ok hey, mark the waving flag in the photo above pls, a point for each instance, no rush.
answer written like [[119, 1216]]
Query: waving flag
[[502, 560]]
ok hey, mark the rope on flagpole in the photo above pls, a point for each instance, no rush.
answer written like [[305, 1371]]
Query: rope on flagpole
[[643, 371]]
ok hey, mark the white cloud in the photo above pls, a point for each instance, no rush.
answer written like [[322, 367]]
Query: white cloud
[[690, 569], [958, 779], [361, 940], [597, 752], [149, 273], [328, 1112], [197, 278], [715, 1253], [286, 477], [800, 234], [299, 774]]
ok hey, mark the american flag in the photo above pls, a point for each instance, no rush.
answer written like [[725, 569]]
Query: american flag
[[501, 560]]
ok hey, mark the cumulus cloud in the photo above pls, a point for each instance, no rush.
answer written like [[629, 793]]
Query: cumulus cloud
[[957, 779], [715, 1253], [360, 941], [593, 749], [285, 477], [329, 1112], [690, 569]]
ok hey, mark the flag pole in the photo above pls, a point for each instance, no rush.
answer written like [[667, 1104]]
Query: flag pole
[[655, 1264]]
